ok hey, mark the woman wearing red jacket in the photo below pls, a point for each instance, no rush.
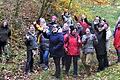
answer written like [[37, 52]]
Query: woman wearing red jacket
[[72, 47], [117, 41]]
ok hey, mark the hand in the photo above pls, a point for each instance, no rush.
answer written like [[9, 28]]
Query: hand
[[27, 37], [34, 52], [44, 30], [87, 38], [66, 50], [79, 41]]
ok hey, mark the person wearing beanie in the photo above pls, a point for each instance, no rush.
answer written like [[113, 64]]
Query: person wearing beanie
[[53, 21]]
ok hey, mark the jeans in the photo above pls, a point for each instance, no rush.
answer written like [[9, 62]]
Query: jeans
[[44, 57], [75, 64], [57, 67], [29, 63]]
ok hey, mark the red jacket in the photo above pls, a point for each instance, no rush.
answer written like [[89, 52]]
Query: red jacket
[[117, 39], [72, 44], [84, 25]]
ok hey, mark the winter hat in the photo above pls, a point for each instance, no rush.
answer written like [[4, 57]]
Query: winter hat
[[72, 28], [53, 17]]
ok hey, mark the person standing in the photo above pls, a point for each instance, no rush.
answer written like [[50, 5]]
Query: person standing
[[88, 40], [31, 43], [100, 48], [108, 33], [5, 34], [72, 47], [117, 41], [65, 31], [56, 47]]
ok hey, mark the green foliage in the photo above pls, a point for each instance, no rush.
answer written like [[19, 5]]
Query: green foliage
[[111, 73], [110, 13]]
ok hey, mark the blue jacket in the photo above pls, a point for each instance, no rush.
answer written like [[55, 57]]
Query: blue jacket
[[56, 44]]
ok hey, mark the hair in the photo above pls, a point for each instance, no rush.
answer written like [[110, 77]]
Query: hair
[[2, 25], [72, 28], [106, 22], [38, 21], [99, 17]]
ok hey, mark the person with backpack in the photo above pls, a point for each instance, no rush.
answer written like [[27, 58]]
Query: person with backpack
[[65, 31], [56, 47], [31, 44], [72, 47], [88, 40], [5, 34], [116, 42]]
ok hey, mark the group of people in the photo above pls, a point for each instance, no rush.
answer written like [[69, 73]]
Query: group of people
[[66, 42]]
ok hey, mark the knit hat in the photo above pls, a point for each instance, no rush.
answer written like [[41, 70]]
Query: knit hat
[[53, 17]]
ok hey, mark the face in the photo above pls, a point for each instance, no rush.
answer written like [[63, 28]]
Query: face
[[74, 31], [42, 22], [5, 23], [102, 22], [87, 31], [96, 21], [79, 25], [118, 26], [32, 29], [66, 14], [83, 16], [54, 29]]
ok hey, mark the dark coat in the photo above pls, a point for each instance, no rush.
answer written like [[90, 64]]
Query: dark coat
[[56, 44], [44, 44], [100, 48], [5, 33], [31, 43]]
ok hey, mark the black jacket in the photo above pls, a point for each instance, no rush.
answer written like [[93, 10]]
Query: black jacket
[[101, 46], [5, 34]]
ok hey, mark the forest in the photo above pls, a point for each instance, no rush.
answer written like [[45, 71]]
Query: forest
[[21, 13]]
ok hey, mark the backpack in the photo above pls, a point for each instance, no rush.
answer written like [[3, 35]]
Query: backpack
[[69, 38]]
